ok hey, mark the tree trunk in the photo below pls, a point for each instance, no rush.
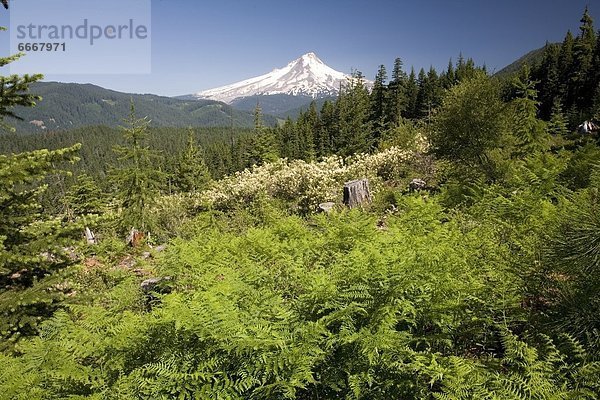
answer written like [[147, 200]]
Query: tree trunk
[[357, 193]]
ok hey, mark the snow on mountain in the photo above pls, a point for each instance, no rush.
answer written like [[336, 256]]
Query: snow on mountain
[[308, 76]]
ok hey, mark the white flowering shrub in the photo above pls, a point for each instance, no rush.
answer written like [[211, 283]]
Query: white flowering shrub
[[307, 184]]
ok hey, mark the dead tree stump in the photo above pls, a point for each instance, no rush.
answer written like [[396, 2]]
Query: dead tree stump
[[357, 193], [135, 238]]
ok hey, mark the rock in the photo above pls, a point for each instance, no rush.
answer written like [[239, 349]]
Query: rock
[[160, 248], [357, 193], [326, 207], [155, 285], [417, 184]]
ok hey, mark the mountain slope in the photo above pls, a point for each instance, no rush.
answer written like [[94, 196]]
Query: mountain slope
[[531, 58], [306, 76], [71, 105]]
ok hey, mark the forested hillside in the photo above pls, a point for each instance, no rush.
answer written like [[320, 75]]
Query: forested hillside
[[66, 106], [146, 263]]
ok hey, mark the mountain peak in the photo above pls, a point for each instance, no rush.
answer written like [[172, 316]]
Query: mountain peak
[[307, 76], [311, 57]]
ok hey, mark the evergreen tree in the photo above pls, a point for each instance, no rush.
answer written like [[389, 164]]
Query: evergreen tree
[[191, 172], [530, 131], [558, 122], [565, 66], [397, 98], [327, 130], [352, 107], [378, 104], [258, 117], [31, 244], [412, 95], [470, 124], [548, 75], [582, 75], [450, 76], [261, 146], [14, 91], [138, 182], [84, 197], [306, 127]]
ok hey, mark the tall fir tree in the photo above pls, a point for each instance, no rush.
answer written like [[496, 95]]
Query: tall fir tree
[[379, 95], [530, 131], [32, 243], [354, 129], [191, 172], [137, 181], [397, 98], [412, 94]]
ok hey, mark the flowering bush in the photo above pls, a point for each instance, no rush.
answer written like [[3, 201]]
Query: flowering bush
[[306, 184]]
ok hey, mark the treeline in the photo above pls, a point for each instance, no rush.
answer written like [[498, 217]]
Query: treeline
[[568, 77], [362, 118]]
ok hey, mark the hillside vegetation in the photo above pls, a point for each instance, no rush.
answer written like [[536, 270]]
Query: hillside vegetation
[[66, 106], [480, 283]]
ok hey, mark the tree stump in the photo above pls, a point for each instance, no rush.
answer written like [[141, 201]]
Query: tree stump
[[357, 193], [135, 238]]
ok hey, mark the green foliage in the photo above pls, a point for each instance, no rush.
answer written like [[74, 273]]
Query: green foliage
[[573, 262], [14, 91], [84, 197], [32, 245], [191, 173], [471, 123], [138, 182], [333, 307], [483, 285], [529, 131]]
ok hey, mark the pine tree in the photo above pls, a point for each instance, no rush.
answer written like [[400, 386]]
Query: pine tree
[[470, 124], [397, 99], [327, 130], [138, 182], [14, 91], [412, 94], [84, 197], [258, 117], [289, 146], [530, 131], [191, 172], [565, 67], [548, 74], [352, 107], [377, 103], [582, 75], [450, 76], [558, 122], [31, 243]]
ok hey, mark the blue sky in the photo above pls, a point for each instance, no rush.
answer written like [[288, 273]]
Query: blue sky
[[199, 44]]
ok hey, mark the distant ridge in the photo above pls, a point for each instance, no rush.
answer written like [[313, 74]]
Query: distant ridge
[[72, 105], [532, 58]]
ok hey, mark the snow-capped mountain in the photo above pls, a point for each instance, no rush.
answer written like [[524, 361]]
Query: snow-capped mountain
[[306, 76]]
